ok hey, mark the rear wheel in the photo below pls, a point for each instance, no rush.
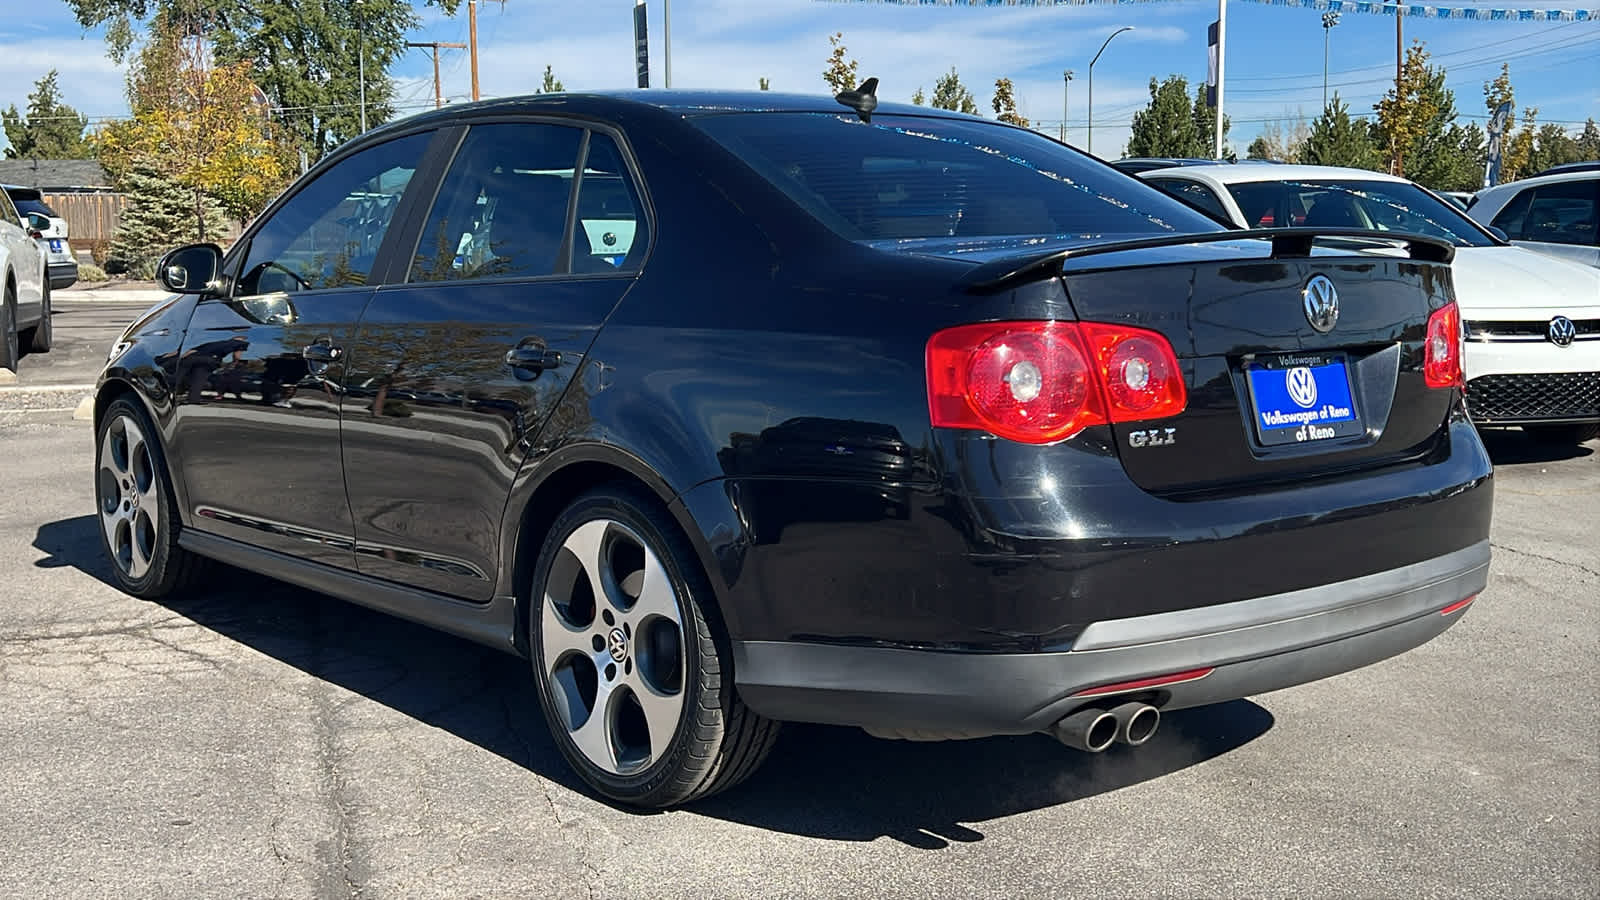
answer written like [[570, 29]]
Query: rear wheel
[[137, 508], [10, 346], [634, 681], [39, 337], [1563, 434]]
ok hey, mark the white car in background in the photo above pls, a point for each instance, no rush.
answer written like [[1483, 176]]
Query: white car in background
[[1556, 212], [1532, 322], [24, 289], [37, 215]]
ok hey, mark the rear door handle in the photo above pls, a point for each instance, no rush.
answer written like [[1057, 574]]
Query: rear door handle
[[533, 359]]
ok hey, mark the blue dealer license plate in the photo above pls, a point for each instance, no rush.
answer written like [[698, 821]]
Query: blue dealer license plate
[[55, 245], [1301, 397]]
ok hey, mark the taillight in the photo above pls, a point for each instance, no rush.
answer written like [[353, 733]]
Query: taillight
[[1041, 382], [1441, 352]]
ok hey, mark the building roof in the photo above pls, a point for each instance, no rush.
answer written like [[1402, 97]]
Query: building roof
[[54, 174]]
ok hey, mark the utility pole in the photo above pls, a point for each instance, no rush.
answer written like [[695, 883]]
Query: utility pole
[[361, 63], [1329, 19], [472, 41], [1222, 56], [438, 94], [1066, 88], [1399, 57], [666, 23]]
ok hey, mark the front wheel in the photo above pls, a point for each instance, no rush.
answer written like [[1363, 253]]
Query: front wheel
[[136, 506], [1563, 434], [10, 346], [635, 683]]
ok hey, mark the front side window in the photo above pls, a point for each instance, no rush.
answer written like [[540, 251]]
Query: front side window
[[1561, 213], [901, 177], [1369, 205], [502, 209], [328, 234]]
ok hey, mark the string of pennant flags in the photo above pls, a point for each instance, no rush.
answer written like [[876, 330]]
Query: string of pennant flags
[[1415, 11]]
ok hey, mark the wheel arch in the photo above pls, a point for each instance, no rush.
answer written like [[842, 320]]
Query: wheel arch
[[561, 478]]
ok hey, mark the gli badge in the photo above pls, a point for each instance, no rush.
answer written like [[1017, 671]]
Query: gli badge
[[1152, 437]]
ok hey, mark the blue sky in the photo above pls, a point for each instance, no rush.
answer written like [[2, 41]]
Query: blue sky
[[1274, 59]]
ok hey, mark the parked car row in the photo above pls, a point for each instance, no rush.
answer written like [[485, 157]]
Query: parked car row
[[1532, 321]]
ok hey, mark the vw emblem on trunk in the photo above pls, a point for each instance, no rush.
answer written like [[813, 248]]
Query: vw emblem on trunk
[[1322, 304], [1302, 386], [1562, 332]]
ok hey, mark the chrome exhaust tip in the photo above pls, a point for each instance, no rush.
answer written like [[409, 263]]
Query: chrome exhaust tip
[[1136, 722], [1090, 730]]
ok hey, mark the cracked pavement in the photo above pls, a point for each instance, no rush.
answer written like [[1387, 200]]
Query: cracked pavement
[[259, 740]]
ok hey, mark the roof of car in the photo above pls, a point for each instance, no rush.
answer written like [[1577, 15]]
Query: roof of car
[[1550, 177], [1236, 174]]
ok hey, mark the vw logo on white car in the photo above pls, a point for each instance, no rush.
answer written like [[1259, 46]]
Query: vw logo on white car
[[1322, 303], [1562, 332], [1302, 385]]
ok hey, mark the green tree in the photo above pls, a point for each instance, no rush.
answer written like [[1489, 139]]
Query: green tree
[[1005, 103], [1338, 140], [1515, 147], [1588, 142], [1205, 126], [766, 84], [552, 84], [51, 129], [1418, 127], [950, 93], [304, 56], [841, 72], [159, 216], [1166, 126], [1552, 147], [921, 99]]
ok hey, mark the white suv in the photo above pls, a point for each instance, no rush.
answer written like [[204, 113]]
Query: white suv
[[1532, 322], [1555, 212], [38, 216]]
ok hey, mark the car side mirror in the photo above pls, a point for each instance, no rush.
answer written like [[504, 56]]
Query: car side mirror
[[1497, 232], [38, 222], [192, 269]]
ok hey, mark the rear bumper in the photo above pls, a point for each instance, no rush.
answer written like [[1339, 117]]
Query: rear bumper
[[1251, 647], [62, 275]]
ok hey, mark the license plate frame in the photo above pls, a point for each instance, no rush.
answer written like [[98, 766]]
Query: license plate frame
[[55, 245], [1302, 398]]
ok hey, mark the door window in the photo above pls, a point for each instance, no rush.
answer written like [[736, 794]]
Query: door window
[[1561, 213], [611, 233], [7, 212], [328, 234], [1193, 193], [502, 210]]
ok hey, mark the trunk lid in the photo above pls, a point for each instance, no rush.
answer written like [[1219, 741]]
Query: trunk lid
[[1271, 397]]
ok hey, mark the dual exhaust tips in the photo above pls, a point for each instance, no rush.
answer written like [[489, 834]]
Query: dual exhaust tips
[[1093, 729]]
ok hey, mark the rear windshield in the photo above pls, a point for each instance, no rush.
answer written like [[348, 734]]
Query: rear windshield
[[1335, 203], [30, 201], [914, 177]]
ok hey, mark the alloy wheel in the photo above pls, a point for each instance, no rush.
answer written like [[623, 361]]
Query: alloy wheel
[[130, 498], [612, 635]]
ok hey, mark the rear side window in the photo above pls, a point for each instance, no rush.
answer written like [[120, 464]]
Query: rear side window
[[502, 210], [1370, 205], [611, 228], [912, 177], [1562, 213], [31, 201], [1193, 193]]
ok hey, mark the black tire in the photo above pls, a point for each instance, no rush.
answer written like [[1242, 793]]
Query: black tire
[[39, 338], [168, 569], [1563, 434], [10, 344], [717, 741]]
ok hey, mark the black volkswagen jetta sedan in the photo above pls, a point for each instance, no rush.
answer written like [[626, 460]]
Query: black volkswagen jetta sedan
[[728, 409]]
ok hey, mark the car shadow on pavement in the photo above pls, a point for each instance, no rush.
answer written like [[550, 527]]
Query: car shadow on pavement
[[1513, 446], [823, 782]]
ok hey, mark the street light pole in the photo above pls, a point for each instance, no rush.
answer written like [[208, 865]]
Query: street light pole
[[1090, 148], [666, 23], [1329, 19], [1066, 88]]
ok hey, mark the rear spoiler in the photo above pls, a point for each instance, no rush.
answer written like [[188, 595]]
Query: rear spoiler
[[1286, 243]]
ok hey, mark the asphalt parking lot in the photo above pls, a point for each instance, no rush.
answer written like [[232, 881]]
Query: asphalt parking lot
[[264, 741]]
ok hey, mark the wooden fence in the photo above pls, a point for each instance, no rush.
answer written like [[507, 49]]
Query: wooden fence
[[90, 217]]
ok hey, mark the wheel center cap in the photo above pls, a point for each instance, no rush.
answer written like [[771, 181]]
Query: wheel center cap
[[617, 644]]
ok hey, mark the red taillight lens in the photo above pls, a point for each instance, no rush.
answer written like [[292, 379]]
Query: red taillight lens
[[1041, 382], [1441, 353]]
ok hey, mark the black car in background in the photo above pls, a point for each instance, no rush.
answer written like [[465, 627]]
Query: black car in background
[[727, 409]]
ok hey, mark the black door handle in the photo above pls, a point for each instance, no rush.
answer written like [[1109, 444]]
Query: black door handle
[[322, 354], [533, 359]]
